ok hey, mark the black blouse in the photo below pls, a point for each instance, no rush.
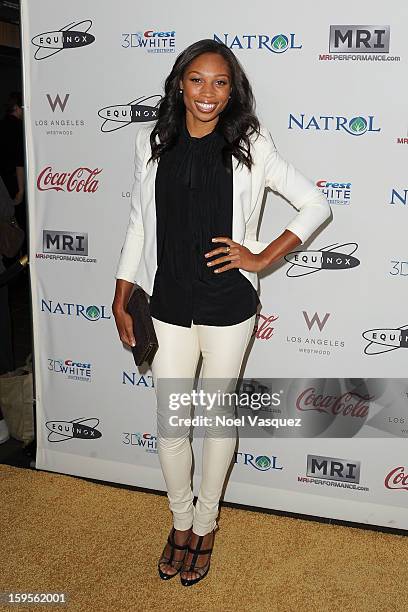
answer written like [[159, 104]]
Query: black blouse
[[194, 204]]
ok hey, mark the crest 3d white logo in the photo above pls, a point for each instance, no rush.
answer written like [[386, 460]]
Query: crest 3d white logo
[[70, 36]]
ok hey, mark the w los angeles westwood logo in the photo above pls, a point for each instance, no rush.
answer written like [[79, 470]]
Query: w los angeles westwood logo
[[332, 257], [70, 36]]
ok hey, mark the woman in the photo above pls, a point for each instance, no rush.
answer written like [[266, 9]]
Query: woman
[[200, 176]]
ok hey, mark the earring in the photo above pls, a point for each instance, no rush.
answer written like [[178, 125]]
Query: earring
[[180, 91]]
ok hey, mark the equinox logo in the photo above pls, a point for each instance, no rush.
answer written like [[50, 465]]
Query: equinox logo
[[308, 262], [50, 43], [121, 115], [77, 428], [386, 339]]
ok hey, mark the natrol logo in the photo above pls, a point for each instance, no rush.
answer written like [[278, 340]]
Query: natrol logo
[[274, 43], [81, 179], [349, 404], [383, 340], [121, 115], [332, 257], [83, 429], [397, 479], [356, 126], [70, 36], [90, 313]]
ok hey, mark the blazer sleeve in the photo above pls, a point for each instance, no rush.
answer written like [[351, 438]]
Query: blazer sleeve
[[133, 244], [281, 176]]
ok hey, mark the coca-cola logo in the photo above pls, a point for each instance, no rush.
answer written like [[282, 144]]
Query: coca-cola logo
[[70, 36], [348, 404], [327, 258], [81, 179], [397, 479], [264, 331]]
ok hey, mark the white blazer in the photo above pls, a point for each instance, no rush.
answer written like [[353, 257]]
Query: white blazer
[[138, 258]]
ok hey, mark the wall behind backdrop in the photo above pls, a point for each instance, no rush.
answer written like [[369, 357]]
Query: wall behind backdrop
[[331, 334]]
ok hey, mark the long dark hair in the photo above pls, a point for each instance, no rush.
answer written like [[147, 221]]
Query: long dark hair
[[237, 122]]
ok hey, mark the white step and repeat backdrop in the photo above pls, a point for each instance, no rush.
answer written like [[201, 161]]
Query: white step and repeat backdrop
[[332, 90]]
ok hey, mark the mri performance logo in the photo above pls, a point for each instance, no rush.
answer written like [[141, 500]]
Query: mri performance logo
[[121, 115], [80, 429], [275, 43], [332, 257], [333, 472], [67, 246], [384, 340], [70, 36], [356, 126], [359, 43]]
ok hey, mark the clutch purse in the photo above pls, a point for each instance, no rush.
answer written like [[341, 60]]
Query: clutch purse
[[143, 329]]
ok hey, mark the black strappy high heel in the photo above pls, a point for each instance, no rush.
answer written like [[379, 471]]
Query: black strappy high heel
[[193, 567], [169, 560]]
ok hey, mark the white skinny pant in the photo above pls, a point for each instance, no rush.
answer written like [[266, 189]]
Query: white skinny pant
[[223, 349]]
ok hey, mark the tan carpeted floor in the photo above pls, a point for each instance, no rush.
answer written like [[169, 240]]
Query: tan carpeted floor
[[100, 545]]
